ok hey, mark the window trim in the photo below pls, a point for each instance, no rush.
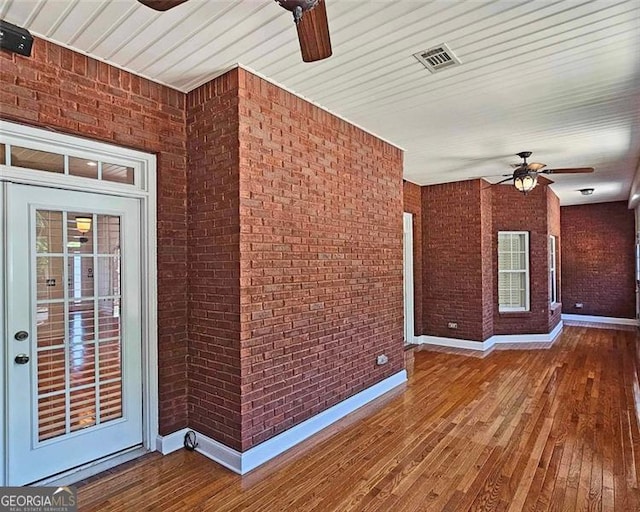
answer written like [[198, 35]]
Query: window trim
[[526, 271], [553, 270]]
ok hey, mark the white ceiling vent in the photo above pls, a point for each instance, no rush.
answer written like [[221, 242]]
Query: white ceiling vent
[[437, 58]]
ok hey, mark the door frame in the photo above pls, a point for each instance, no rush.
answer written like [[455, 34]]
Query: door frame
[[143, 189], [407, 277]]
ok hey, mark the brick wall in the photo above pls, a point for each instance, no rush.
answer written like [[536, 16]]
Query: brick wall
[[412, 199], [452, 238], [321, 259], [513, 211], [60, 89], [598, 259], [214, 260], [460, 224]]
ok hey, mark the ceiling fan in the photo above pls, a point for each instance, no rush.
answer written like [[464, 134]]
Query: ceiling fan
[[310, 17], [525, 174]]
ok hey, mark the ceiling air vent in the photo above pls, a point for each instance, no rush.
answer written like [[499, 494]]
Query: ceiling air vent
[[437, 58]]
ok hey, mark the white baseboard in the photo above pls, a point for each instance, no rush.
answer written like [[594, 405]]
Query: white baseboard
[[171, 442], [243, 462], [221, 453], [481, 346], [609, 320], [489, 343], [549, 337]]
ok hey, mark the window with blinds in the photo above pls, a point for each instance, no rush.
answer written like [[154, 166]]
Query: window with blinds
[[553, 272], [513, 270]]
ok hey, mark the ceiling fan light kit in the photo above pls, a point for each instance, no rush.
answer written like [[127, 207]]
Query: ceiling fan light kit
[[525, 174], [526, 181]]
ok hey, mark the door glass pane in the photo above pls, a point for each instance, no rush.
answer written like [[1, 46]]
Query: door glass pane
[[78, 331], [49, 232], [51, 416], [51, 370], [50, 277], [81, 321], [38, 160], [110, 360], [80, 233], [50, 324], [80, 276], [2, 154], [108, 234], [82, 364], [83, 408], [110, 401], [108, 275], [109, 318]]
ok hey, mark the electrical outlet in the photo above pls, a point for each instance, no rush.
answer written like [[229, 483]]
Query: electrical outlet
[[578, 305], [452, 325], [382, 359]]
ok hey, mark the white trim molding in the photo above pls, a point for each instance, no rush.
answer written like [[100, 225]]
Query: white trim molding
[[407, 275], [606, 320], [243, 462], [143, 189], [490, 343], [171, 442]]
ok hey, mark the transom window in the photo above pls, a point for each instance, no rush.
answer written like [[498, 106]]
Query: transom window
[[513, 271], [104, 168]]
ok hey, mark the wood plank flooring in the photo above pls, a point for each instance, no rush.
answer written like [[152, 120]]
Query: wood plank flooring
[[532, 430]]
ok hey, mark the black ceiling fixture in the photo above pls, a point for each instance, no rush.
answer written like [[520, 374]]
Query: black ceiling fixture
[[310, 17], [525, 174], [15, 39]]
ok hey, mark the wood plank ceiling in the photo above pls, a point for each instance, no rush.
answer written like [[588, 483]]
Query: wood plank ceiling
[[560, 78]]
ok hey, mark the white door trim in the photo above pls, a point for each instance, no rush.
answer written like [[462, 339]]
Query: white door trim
[[3, 348], [145, 190], [407, 270]]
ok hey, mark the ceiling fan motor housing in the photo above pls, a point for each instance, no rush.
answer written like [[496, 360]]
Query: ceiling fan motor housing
[[297, 7], [292, 5]]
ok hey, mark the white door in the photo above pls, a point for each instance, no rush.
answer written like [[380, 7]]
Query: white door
[[73, 303], [408, 276]]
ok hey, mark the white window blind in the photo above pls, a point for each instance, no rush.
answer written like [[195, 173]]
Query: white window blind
[[513, 270], [553, 273]]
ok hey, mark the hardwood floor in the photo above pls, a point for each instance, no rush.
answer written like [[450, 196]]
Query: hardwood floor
[[543, 430]]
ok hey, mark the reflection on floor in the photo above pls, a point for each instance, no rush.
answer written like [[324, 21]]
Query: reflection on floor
[[552, 429]]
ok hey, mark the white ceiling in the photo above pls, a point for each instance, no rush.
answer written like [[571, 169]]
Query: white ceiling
[[559, 78]]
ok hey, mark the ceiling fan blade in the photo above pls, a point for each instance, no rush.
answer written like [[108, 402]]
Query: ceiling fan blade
[[533, 166], [569, 170], [313, 34], [516, 166], [504, 181], [162, 5]]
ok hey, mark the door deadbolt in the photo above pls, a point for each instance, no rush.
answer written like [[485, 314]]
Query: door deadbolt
[[21, 335], [22, 359]]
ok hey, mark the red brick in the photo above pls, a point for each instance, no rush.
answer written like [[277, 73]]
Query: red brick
[[41, 76], [598, 259]]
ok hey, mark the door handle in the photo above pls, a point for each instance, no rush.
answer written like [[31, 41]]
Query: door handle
[[22, 359]]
